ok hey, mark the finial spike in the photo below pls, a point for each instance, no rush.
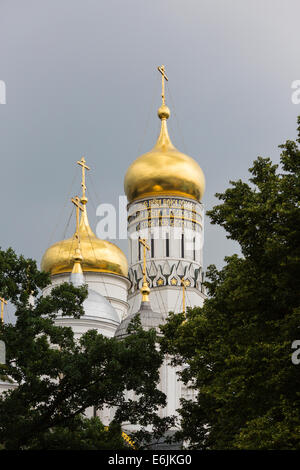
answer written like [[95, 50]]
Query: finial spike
[[145, 290], [185, 283], [164, 77], [78, 257], [163, 112]]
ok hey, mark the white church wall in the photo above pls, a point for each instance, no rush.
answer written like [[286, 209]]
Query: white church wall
[[113, 287]]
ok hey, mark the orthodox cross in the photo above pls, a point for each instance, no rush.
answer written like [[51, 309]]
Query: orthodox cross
[[3, 301], [79, 207], [143, 242], [185, 283], [83, 167], [164, 77]]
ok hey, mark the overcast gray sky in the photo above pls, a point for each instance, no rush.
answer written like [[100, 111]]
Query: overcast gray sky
[[81, 78]]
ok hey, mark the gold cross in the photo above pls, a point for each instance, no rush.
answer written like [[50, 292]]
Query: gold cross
[[143, 242], [84, 167], [185, 284], [79, 207], [3, 301], [164, 77]]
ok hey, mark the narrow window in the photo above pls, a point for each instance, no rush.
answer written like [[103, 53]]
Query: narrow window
[[152, 246], [182, 245], [167, 246], [194, 248], [149, 217], [139, 248]]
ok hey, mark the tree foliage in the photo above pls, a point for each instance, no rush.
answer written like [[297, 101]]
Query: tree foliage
[[237, 348], [56, 378], [81, 434]]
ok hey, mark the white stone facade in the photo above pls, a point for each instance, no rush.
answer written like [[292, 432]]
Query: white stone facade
[[173, 228], [111, 286]]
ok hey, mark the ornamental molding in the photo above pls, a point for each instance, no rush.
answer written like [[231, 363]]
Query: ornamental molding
[[167, 273]]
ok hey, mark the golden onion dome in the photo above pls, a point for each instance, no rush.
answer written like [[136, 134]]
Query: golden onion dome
[[97, 255], [164, 171]]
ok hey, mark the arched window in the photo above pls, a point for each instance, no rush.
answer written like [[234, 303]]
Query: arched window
[[152, 246], [167, 245], [149, 217], [182, 245], [194, 248]]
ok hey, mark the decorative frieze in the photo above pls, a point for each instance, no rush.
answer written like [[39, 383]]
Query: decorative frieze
[[159, 275]]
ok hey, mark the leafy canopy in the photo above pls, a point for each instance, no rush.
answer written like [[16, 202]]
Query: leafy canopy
[[56, 378], [237, 348]]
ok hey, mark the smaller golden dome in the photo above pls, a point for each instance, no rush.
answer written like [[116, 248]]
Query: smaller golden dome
[[97, 255]]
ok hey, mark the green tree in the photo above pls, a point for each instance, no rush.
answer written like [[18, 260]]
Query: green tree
[[58, 377], [81, 434], [237, 348]]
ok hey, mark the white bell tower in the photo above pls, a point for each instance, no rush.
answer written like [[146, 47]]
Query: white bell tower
[[173, 228], [164, 189]]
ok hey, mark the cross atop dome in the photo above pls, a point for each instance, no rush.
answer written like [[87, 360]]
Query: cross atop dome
[[91, 253], [163, 112], [164, 170], [145, 290], [84, 167], [164, 77], [78, 256]]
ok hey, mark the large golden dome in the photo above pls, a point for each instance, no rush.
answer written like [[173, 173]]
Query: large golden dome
[[97, 255], [164, 171]]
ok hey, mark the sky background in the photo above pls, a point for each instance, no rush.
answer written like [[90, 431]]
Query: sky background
[[81, 78]]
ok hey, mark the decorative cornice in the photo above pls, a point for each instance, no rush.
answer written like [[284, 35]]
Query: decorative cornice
[[167, 274]]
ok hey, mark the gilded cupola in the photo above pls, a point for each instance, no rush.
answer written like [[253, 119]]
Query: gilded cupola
[[94, 254], [164, 171]]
